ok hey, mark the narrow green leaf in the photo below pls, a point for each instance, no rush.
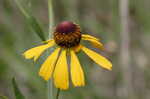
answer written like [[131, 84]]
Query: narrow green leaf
[[35, 26], [31, 20], [17, 92]]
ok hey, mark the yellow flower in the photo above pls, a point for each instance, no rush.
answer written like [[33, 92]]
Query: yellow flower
[[67, 37]]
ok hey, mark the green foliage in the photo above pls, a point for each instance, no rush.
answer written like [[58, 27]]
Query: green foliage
[[3, 97], [31, 20], [17, 91], [36, 27]]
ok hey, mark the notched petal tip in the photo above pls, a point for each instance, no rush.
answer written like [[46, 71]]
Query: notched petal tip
[[100, 60], [77, 74], [109, 67], [46, 79], [23, 54], [61, 88], [37, 51], [61, 74], [97, 44], [27, 55], [79, 85], [43, 77]]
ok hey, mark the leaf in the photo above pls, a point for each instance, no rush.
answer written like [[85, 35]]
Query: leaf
[[35, 26], [31, 20], [17, 92]]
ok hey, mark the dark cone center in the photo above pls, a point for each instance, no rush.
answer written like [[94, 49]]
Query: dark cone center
[[66, 27]]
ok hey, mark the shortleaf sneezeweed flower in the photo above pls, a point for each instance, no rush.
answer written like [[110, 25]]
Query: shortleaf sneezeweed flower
[[67, 37]]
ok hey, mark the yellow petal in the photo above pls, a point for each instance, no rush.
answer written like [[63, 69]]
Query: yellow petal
[[37, 51], [86, 36], [77, 74], [61, 75], [102, 61], [95, 42], [48, 66]]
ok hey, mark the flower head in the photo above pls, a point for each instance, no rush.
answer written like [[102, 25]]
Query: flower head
[[67, 37], [67, 34]]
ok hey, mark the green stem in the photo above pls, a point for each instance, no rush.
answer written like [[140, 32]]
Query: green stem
[[50, 90], [51, 18], [51, 24]]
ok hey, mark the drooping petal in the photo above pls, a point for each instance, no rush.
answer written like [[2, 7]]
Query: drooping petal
[[61, 75], [37, 51], [102, 61], [47, 67], [77, 74], [95, 42], [86, 36]]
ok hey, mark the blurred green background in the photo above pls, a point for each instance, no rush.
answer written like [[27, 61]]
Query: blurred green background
[[100, 18]]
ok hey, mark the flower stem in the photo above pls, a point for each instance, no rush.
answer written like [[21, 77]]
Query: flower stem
[[51, 24], [50, 90], [51, 18]]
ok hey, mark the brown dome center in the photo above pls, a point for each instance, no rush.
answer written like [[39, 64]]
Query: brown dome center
[[67, 34], [66, 27]]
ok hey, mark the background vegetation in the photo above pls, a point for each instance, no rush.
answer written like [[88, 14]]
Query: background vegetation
[[100, 18]]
